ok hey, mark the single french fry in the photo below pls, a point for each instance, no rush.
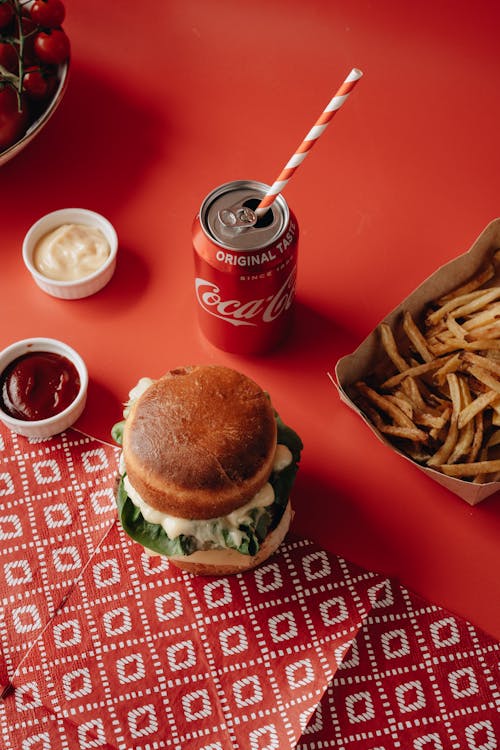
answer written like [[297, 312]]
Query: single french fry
[[416, 337], [451, 364], [389, 344], [442, 454], [456, 345], [412, 372], [479, 403], [414, 390], [408, 433], [429, 420], [466, 434], [455, 329], [478, 437], [471, 285], [470, 470], [446, 449]]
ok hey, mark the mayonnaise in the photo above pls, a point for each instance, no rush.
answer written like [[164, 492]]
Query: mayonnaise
[[207, 532], [70, 252]]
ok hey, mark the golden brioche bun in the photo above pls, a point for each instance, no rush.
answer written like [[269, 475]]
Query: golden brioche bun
[[214, 562], [200, 442]]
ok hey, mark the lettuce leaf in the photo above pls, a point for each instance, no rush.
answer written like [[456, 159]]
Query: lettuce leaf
[[150, 535], [117, 432]]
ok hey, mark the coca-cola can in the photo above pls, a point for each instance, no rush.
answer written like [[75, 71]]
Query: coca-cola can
[[245, 268]]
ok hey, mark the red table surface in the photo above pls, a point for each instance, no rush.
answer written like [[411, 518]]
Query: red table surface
[[166, 101]]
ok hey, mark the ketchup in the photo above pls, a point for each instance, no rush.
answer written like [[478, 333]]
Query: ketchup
[[38, 385]]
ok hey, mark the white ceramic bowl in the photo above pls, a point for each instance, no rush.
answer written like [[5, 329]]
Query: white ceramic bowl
[[41, 121], [77, 288], [44, 428]]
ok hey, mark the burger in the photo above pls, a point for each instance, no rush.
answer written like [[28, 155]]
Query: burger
[[206, 470]]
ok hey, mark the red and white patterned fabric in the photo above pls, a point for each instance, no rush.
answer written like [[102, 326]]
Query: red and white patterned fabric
[[415, 677], [105, 647]]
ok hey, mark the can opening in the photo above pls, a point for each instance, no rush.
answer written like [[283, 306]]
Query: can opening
[[241, 198], [263, 221]]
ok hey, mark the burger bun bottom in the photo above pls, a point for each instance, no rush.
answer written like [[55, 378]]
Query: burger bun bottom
[[214, 562]]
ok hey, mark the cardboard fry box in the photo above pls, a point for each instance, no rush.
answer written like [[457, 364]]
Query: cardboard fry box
[[363, 360]]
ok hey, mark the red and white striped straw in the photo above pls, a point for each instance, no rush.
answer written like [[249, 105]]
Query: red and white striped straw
[[318, 129]]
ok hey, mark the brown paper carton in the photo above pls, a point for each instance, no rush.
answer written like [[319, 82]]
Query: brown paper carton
[[355, 366]]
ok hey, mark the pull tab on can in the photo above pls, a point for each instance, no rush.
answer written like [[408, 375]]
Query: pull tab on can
[[237, 216], [228, 216]]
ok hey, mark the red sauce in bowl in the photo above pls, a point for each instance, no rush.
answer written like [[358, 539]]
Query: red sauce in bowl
[[38, 385]]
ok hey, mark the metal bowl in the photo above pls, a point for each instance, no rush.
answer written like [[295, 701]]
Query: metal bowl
[[41, 121]]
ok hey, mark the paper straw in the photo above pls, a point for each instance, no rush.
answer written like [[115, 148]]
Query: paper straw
[[316, 131]]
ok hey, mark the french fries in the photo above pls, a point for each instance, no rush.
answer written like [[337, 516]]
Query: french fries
[[436, 395]]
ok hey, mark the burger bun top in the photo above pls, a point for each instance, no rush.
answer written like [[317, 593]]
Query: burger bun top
[[200, 442]]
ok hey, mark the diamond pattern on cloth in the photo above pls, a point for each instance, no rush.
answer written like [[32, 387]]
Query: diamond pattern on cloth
[[416, 677], [141, 650], [56, 504], [103, 646]]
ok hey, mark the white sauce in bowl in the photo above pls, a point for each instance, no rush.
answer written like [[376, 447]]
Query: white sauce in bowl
[[71, 251]]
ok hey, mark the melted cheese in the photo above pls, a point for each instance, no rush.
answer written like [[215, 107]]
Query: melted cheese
[[208, 532], [231, 557]]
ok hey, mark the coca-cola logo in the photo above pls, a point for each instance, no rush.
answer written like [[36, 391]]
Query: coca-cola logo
[[249, 313]]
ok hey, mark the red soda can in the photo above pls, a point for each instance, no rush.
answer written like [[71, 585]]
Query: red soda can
[[245, 268]]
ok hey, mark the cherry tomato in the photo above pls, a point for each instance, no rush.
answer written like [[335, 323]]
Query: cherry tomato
[[6, 14], [38, 84], [12, 122], [52, 46], [8, 56], [48, 13]]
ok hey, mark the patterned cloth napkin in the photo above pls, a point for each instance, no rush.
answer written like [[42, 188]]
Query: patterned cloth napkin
[[105, 647]]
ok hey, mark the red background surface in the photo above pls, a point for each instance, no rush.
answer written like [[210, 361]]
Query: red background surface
[[166, 101]]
